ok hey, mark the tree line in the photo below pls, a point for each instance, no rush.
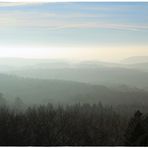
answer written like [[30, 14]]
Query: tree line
[[72, 125]]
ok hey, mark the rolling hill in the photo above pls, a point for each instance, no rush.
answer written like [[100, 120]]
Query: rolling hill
[[58, 91]]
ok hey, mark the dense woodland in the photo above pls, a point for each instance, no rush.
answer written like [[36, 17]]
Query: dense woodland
[[72, 125]]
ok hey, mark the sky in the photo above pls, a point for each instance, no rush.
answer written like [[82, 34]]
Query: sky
[[78, 31]]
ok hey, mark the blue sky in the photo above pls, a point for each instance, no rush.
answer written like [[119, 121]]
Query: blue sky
[[100, 31]]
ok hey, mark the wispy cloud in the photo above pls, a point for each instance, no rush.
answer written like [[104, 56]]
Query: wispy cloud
[[62, 20], [126, 27], [56, 21]]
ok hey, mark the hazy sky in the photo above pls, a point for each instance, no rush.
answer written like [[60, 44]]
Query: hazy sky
[[99, 31]]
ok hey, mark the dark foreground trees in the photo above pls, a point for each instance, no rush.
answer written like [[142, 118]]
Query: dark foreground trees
[[137, 130], [73, 125]]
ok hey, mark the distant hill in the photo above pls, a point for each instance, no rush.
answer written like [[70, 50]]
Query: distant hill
[[140, 66], [21, 62], [136, 59], [94, 75], [137, 62], [93, 72], [9, 64], [58, 91]]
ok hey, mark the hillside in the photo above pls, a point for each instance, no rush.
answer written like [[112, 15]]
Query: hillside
[[59, 91], [94, 75], [135, 59]]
